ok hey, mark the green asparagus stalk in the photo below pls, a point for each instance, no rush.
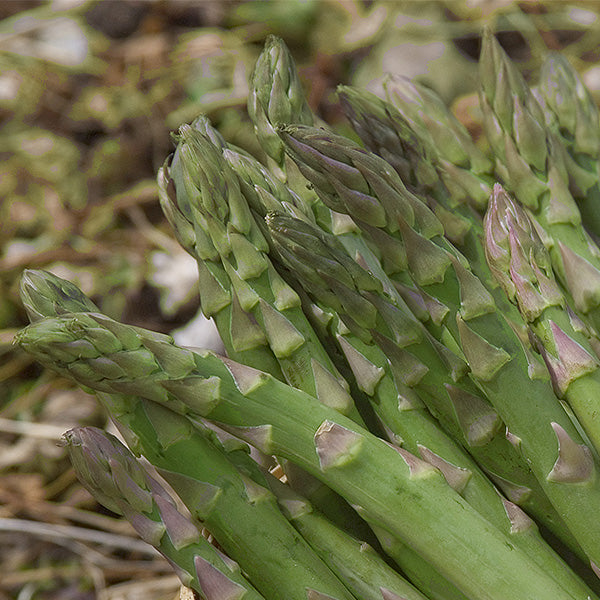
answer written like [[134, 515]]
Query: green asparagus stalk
[[406, 423], [264, 295], [44, 294], [265, 195], [389, 351], [573, 114], [153, 431], [531, 165], [242, 250], [389, 133], [242, 515], [413, 501], [337, 159], [523, 267], [384, 131], [372, 324], [114, 477], [357, 565], [276, 96], [463, 168], [495, 354], [242, 338]]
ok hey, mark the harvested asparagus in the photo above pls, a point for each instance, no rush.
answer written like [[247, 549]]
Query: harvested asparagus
[[530, 162], [411, 239], [277, 419], [114, 477], [523, 267]]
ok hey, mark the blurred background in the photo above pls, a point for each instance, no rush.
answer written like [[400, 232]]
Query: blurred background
[[89, 95]]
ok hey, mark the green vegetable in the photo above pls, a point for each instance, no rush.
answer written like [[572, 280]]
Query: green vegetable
[[413, 501], [572, 113], [407, 145], [360, 568], [114, 477], [399, 356], [523, 267], [463, 168], [276, 96], [234, 512], [409, 237], [530, 162], [390, 352]]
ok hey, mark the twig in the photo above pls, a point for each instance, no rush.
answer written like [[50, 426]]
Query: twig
[[39, 430], [69, 532]]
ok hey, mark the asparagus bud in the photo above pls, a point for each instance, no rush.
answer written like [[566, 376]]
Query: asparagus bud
[[44, 294], [284, 421], [522, 265], [572, 113], [276, 96], [114, 477], [530, 160]]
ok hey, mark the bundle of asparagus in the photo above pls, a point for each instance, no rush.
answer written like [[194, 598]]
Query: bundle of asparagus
[[422, 375]]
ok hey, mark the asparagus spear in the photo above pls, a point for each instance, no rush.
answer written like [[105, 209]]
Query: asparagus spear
[[337, 158], [523, 267], [276, 96], [389, 133], [242, 338], [265, 194], [113, 476], [155, 432], [530, 163], [464, 169], [360, 568], [390, 352], [45, 294], [374, 324], [572, 113], [242, 250], [413, 500], [242, 515], [493, 350], [270, 302]]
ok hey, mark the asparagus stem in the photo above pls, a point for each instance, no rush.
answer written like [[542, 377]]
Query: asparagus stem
[[114, 477], [371, 325], [357, 565], [523, 268], [573, 114], [375, 184], [242, 515], [242, 250], [168, 440], [530, 162], [413, 501], [405, 232]]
